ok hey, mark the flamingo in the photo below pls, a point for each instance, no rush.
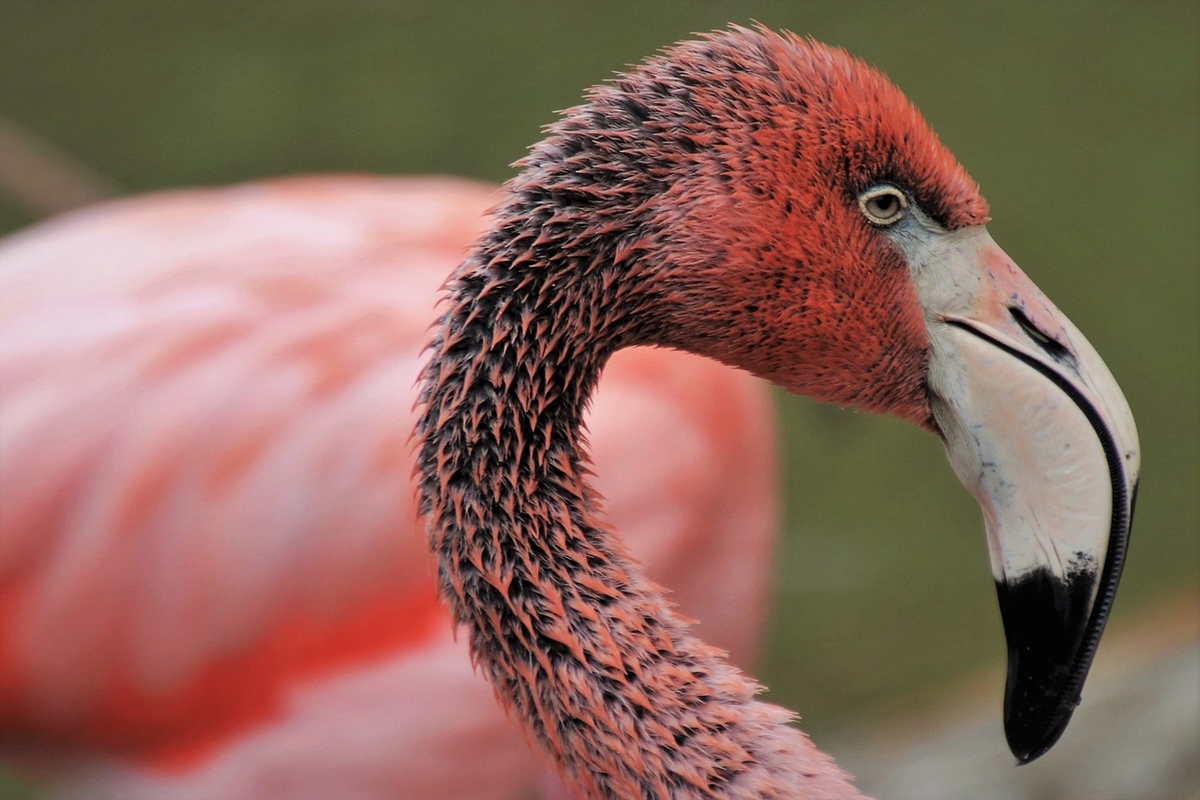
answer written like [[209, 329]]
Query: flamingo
[[212, 579], [773, 204]]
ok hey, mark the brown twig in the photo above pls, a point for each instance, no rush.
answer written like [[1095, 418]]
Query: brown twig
[[44, 179]]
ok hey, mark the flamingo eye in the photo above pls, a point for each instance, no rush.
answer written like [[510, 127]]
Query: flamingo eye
[[883, 205]]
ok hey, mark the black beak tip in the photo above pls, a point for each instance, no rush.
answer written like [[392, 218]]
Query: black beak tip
[[1030, 739], [1045, 622]]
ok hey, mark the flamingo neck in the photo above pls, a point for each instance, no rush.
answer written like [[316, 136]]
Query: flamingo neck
[[605, 678]]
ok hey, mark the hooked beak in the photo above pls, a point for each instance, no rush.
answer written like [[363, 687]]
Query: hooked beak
[[1038, 431]]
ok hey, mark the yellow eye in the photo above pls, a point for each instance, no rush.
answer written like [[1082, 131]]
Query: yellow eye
[[883, 205]]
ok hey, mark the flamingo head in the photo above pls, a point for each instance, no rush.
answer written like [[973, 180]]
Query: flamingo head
[[799, 219]]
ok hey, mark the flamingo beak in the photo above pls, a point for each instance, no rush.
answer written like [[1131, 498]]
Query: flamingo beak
[[1038, 431]]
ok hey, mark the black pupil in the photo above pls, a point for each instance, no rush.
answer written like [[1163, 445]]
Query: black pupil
[[885, 204]]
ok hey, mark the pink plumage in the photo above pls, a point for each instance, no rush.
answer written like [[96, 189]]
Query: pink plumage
[[212, 578]]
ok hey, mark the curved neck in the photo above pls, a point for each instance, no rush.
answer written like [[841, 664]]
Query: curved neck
[[603, 675]]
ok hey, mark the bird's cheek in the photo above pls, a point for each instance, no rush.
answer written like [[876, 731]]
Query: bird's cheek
[[882, 353], [876, 365]]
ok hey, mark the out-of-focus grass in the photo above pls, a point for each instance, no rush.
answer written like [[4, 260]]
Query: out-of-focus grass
[[12, 788], [1080, 121]]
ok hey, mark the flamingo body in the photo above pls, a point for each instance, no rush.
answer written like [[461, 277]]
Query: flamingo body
[[211, 582], [772, 203]]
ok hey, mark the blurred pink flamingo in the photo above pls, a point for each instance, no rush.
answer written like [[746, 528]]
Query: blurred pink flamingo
[[212, 581]]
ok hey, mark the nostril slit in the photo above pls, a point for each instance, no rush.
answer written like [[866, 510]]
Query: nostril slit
[[1052, 346]]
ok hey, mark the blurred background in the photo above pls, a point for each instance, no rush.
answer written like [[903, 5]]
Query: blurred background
[[1081, 122]]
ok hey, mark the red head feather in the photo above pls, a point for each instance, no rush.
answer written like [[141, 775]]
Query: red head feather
[[745, 153]]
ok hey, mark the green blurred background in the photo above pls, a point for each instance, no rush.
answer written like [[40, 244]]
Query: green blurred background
[[1080, 121]]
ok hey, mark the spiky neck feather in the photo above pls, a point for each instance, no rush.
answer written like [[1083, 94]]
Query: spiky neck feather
[[603, 674], [647, 216]]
